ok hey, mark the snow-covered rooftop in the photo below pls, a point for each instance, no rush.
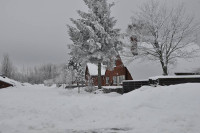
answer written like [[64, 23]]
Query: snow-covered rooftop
[[144, 68], [93, 69], [10, 81], [181, 76], [5, 79], [136, 80]]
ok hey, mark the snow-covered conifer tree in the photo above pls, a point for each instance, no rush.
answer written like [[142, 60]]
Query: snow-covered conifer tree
[[77, 69], [94, 37]]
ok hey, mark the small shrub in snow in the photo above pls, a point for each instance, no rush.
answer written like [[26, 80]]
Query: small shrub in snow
[[90, 89]]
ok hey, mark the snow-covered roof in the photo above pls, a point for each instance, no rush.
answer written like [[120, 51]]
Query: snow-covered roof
[[144, 68], [136, 80], [93, 69], [5, 79], [111, 87], [185, 76], [9, 81]]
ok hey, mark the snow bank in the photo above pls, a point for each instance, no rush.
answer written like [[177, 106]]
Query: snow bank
[[112, 87], [136, 80], [39, 109]]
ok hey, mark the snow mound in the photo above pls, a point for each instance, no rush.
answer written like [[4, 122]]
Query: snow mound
[[164, 109]]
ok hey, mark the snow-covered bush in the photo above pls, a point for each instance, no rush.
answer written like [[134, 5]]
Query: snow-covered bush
[[49, 82], [90, 87]]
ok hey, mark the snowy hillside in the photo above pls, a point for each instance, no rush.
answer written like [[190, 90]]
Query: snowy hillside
[[39, 109]]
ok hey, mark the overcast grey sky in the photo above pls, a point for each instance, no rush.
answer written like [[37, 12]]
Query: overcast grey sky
[[34, 32]]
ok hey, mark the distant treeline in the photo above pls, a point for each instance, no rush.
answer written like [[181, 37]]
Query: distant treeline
[[33, 75]]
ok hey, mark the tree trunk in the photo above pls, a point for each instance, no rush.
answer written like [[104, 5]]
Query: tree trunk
[[78, 87], [165, 72], [164, 68], [99, 75]]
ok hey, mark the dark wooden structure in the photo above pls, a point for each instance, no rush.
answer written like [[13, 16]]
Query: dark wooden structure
[[4, 84], [186, 73], [118, 89], [162, 80], [174, 80], [73, 86], [132, 85]]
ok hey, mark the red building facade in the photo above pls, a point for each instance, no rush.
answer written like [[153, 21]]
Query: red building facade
[[110, 78], [93, 79]]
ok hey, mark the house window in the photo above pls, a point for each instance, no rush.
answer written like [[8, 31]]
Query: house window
[[107, 80], [121, 78], [114, 79]]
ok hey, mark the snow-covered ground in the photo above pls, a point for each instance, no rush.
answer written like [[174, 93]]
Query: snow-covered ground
[[39, 109]]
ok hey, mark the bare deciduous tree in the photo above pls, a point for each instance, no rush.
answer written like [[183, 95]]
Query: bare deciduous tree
[[168, 33], [6, 66]]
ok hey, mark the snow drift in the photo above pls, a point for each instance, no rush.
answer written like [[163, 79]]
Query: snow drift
[[166, 109]]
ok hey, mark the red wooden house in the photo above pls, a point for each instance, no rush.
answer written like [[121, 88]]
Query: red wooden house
[[108, 78], [91, 74]]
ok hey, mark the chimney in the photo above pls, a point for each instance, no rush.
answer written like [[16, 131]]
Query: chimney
[[134, 47]]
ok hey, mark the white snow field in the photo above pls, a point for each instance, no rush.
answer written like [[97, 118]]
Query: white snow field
[[39, 109]]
